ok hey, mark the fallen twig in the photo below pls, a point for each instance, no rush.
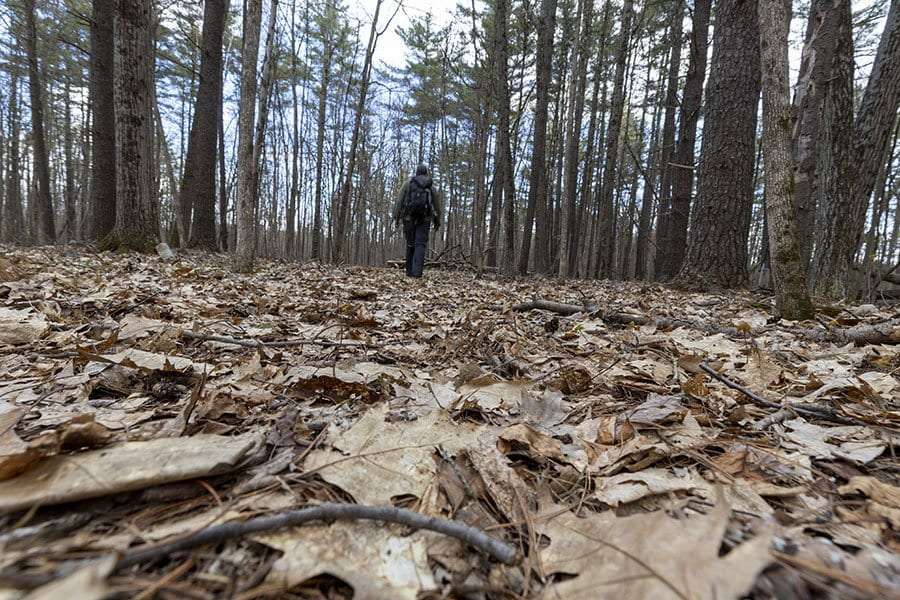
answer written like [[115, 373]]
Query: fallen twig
[[328, 511], [809, 411], [776, 417], [324, 512], [190, 335]]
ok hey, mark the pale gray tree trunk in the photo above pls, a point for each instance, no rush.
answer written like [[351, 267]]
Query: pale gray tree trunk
[[788, 268]]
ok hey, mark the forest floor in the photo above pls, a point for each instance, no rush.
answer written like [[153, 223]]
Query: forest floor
[[619, 460]]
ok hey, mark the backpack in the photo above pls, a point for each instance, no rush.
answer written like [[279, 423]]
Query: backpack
[[418, 198]]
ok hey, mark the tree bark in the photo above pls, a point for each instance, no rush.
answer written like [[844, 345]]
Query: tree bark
[[845, 220], [340, 226], [816, 67], [568, 225], [137, 216], [607, 246], [245, 242], [717, 248], [103, 121], [44, 221], [788, 269], [684, 160], [664, 227], [13, 219], [327, 54], [195, 211], [223, 179], [537, 190], [504, 157]]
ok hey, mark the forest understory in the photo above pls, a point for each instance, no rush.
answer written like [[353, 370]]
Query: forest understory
[[658, 444]]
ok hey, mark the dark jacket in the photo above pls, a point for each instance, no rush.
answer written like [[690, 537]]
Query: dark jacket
[[424, 181]]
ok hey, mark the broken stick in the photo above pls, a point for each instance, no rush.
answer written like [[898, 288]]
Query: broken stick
[[328, 511], [325, 512], [808, 411], [191, 335]]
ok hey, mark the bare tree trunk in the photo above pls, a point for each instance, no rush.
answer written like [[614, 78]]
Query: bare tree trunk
[[717, 248], [13, 219], [568, 226], [504, 157], [245, 243], [103, 121], [340, 228], [327, 57], [70, 227], [872, 129], [664, 227], [607, 233], [195, 205], [137, 216], [45, 227], [788, 268], [223, 175], [817, 61], [683, 160]]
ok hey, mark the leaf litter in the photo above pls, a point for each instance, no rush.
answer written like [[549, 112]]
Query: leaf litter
[[666, 445]]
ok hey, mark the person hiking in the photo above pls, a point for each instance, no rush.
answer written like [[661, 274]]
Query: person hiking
[[418, 207]]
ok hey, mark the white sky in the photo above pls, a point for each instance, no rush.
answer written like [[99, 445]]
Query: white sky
[[391, 49]]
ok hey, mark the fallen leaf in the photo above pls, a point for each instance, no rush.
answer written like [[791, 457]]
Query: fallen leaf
[[19, 327], [87, 583], [375, 460], [650, 555], [123, 467], [856, 444], [629, 487], [374, 559]]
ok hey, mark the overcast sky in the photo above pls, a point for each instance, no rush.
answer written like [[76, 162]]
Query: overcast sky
[[391, 49]]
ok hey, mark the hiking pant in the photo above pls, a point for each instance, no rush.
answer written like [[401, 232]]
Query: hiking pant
[[416, 233]]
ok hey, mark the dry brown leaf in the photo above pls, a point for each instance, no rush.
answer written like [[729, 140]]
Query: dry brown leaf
[[19, 327], [376, 560], [650, 556], [122, 468], [376, 460]]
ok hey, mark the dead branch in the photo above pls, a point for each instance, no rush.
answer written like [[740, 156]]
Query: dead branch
[[887, 332], [190, 335], [324, 512], [806, 410], [327, 511], [776, 417]]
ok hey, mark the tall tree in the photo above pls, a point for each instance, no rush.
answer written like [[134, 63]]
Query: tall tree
[[13, 220], [664, 220], [343, 207], [245, 242], [568, 226], [841, 234], [683, 160], [537, 189], [42, 212], [607, 214], [823, 38], [720, 223], [137, 212], [326, 29], [788, 267], [504, 156], [195, 210], [103, 120]]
